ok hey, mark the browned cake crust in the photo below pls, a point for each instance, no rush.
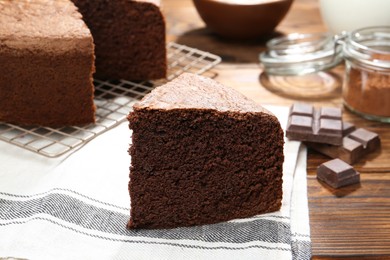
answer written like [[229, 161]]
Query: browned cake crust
[[202, 153], [46, 64], [129, 38]]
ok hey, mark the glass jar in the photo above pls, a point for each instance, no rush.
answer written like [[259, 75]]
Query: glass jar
[[366, 52], [299, 66], [366, 86]]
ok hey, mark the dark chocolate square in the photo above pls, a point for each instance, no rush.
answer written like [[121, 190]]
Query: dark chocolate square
[[336, 173], [351, 145], [303, 123], [331, 126], [330, 112], [302, 109], [348, 128]]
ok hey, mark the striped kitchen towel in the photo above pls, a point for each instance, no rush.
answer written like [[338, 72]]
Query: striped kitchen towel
[[77, 207]]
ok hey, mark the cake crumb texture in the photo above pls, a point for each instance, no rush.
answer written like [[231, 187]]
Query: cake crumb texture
[[200, 162], [129, 38]]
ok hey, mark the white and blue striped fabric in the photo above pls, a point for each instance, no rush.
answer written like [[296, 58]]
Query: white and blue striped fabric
[[77, 207]]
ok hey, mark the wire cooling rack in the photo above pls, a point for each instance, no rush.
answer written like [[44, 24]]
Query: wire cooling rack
[[113, 99]]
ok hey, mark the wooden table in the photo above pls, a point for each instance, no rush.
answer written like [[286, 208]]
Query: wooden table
[[350, 223]]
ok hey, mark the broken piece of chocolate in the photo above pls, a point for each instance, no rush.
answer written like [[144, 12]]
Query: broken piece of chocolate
[[319, 125], [337, 173], [357, 143]]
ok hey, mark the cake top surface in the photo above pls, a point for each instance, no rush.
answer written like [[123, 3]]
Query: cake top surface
[[31, 23], [190, 91]]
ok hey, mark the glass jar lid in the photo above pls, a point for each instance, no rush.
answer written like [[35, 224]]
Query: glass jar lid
[[369, 47], [300, 54]]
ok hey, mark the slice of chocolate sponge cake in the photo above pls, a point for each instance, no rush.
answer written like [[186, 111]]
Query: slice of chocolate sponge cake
[[46, 64], [129, 38], [202, 153]]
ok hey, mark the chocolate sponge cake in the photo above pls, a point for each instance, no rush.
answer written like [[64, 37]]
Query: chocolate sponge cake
[[202, 153], [129, 38], [46, 64]]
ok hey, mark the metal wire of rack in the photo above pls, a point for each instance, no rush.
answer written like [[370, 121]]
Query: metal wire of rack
[[113, 100]]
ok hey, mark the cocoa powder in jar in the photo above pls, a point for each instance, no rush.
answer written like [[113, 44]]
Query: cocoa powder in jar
[[367, 91]]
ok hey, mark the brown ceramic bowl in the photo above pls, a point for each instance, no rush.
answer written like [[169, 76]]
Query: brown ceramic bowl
[[242, 19]]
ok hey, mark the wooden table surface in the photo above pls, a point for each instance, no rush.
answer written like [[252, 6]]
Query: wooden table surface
[[349, 223]]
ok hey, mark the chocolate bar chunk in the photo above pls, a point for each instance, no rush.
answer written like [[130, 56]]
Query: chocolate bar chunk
[[356, 144], [319, 125], [348, 128], [337, 173]]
